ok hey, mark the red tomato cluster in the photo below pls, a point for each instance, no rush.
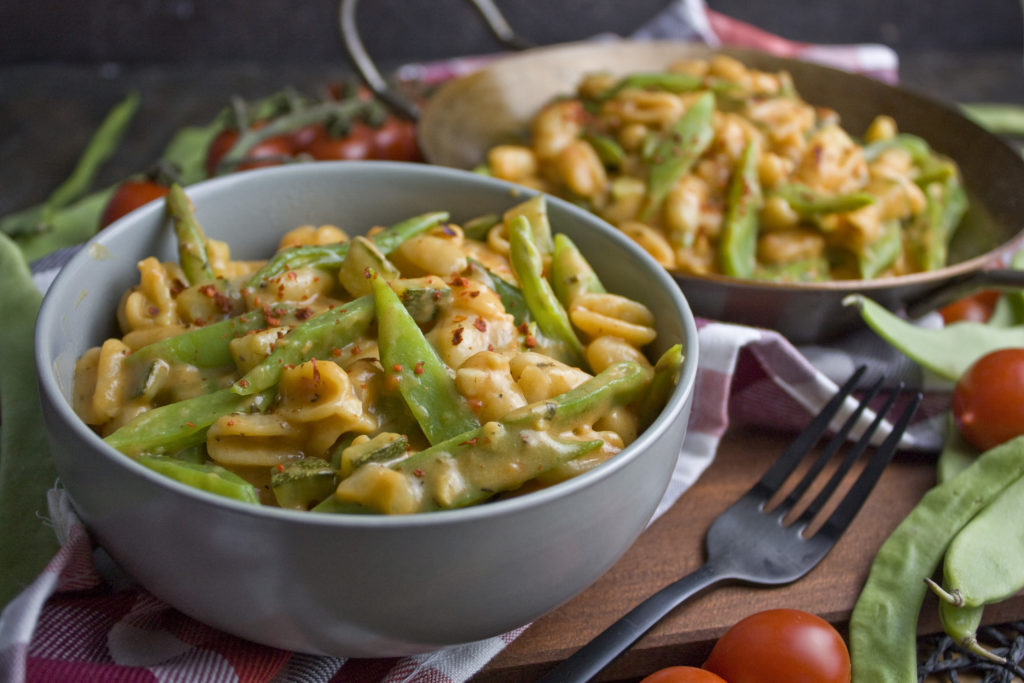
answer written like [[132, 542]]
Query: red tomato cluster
[[394, 139], [774, 646]]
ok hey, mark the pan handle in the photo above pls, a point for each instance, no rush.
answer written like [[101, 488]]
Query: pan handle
[[372, 77], [963, 285]]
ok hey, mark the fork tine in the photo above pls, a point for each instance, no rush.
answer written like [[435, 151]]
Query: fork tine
[[799, 447], [851, 457], [830, 450], [858, 493]]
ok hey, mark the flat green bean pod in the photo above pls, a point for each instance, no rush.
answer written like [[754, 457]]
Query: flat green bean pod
[[883, 626]]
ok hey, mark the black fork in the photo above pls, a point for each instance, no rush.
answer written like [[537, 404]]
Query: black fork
[[746, 543]]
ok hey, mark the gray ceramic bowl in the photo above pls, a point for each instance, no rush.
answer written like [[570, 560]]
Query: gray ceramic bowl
[[341, 584]]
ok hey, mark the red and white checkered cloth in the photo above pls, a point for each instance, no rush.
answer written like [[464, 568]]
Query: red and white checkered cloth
[[82, 620]]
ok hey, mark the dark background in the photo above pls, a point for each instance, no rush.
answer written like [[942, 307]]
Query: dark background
[[64, 63]]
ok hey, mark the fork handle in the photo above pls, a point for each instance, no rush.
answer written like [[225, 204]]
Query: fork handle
[[586, 662]]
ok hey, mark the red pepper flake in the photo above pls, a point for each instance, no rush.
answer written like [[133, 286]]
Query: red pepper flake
[[292, 275], [459, 281], [231, 423], [418, 472], [244, 383], [280, 467], [457, 336], [153, 310], [177, 287], [530, 341], [198, 322], [304, 313], [474, 294], [356, 349], [190, 424], [270, 317], [316, 372], [368, 273], [418, 369], [397, 367], [475, 404], [524, 328], [336, 352], [480, 324], [469, 442]]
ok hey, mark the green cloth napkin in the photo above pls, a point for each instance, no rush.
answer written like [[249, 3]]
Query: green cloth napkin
[[27, 543]]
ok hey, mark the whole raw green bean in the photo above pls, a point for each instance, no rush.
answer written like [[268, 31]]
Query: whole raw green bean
[[315, 338], [947, 351], [678, 150], [738, 243], [883, 642], [423, 380], [175, 426], [331, 256], [551, 318], [961, 624], [101, 146], [191, 239], [984, 564]]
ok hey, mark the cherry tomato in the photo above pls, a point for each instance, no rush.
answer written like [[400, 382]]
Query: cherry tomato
[[976, 307], [988, 400], [269, 152], [683, 674], [130, 195], [781, 646], [219, 146], [357, 144], [395, 139]]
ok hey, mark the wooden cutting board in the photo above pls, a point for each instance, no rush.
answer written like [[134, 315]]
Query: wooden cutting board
[[673, 546]]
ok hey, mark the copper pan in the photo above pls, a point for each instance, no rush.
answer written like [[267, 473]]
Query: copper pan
[[468, 115]]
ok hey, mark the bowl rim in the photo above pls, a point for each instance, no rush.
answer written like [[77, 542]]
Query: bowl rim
[[50, 311]]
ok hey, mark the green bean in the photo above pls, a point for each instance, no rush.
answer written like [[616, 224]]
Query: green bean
[[477, 228], [678, 150], [956, 455], [983, 564], [423, 380], [961, 624], [738, 245], [917, 147], [511, 296], [175, 426], [663, 382], [208, 477], [101, 147], [191, 240], [502, 456], [544, 307], [668, 81], [876, 257], [609, 151], [314, 338], [997, 117], [207, 346], [616, 385], [932, 230], [301, 484], [535, 211], [809, 203], [364, 257], [331, 256], [802, 270], [571, 274], [883, 624], [947, 351]]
